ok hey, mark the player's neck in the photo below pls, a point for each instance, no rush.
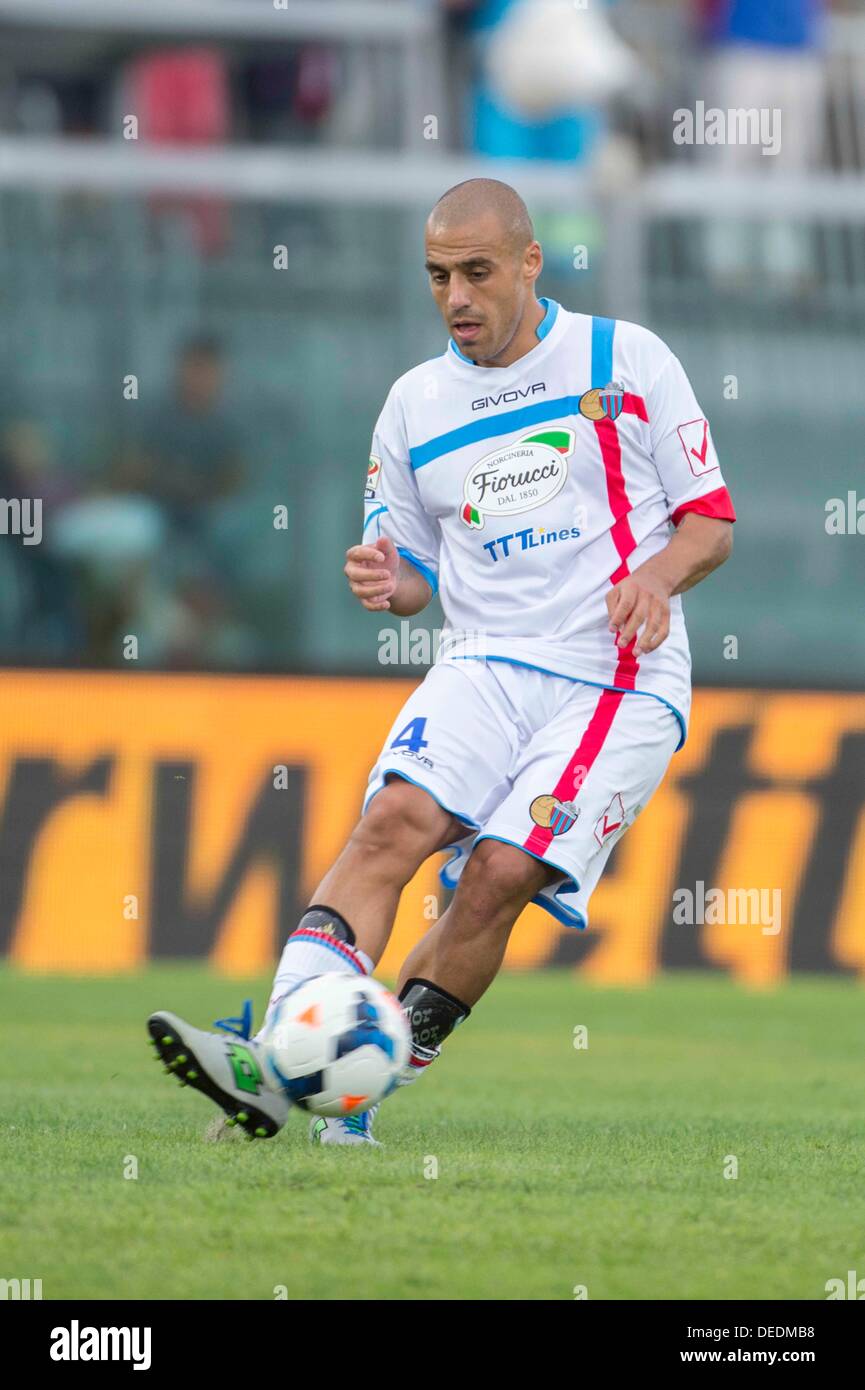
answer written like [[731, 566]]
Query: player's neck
[[525, 338]]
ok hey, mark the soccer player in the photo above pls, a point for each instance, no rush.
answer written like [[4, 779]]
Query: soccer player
[[552, 476]]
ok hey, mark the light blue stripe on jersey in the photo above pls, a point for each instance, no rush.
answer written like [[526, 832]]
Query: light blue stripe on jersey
[[602, 351], [549, 318], [431, 579], [372, 516], [523, 418], [603, 332]]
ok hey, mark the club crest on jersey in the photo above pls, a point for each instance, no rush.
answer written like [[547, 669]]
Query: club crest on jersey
[[517, 478], [373, 477], [552, 814], [604, 402]]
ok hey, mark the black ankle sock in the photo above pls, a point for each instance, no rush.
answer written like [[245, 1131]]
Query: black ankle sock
[[432, 1012], [325, 919]]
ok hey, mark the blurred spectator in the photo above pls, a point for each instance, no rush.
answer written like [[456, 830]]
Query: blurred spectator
[[186, 451], [546, 70], [287, 98], [185, 457], [764, 54], [182, 98]]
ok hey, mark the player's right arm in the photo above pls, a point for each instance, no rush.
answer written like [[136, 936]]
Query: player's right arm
[[383, 579], [396, 564]]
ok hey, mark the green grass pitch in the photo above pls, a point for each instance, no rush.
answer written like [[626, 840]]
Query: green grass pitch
[[557, 1167]]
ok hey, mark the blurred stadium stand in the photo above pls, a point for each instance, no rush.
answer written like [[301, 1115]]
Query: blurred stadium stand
[[114, 252]]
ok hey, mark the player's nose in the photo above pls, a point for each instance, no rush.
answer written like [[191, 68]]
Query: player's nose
[[459, 298]]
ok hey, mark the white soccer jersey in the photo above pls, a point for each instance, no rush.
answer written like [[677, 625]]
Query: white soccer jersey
[[523, 493]]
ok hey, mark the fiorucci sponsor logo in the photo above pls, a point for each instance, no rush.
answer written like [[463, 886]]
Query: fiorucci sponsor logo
[[517, 478], [77, 1343]]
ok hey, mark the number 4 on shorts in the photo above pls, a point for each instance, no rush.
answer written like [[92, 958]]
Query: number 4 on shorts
[[411, 737]]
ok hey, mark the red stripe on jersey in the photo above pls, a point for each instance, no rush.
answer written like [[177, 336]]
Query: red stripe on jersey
[[590, 745], [635, 405], [627, 664], [718, 503]]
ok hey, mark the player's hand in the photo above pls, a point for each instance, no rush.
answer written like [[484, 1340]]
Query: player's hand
[[639, 603], [372, 572]]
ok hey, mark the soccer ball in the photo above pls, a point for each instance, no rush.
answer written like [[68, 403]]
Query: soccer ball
[[337, 1044]]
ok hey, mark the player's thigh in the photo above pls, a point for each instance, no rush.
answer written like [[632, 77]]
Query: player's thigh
[[453, 739], [583, 779]]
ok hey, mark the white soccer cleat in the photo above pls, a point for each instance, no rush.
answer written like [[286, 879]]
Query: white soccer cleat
[[228, 1067], [345, 1129]]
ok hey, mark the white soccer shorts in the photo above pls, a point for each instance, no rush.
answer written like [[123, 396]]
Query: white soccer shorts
[[557, 767]]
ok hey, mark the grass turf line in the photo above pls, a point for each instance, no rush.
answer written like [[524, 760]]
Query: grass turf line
[[556, 1167]]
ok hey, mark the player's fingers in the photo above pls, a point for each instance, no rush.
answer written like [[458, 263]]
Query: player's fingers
[[386, 546], [619, 604], [635, 621], [364, 573], [376, 605], [365, 553], [657, 627], [383, 588]]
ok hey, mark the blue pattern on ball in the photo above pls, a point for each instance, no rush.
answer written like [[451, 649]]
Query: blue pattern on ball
[[365, 1033]]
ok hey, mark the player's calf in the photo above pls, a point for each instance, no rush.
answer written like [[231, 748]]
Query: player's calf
[[460, 956], [433, 1014]]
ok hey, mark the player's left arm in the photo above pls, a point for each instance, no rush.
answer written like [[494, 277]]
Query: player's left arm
[[641, 601], [699, 507]]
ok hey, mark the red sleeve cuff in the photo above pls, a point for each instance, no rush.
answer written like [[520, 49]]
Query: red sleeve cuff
[[718, 504]]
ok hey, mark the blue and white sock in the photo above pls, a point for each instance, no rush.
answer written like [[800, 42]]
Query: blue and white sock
[[322, 944]]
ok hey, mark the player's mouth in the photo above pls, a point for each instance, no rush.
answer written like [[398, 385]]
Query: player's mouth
[[466, 330]]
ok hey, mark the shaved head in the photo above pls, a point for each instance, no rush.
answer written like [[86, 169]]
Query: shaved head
[[482, 260], [479, 200]]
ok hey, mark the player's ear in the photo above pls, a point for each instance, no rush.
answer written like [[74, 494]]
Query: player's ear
[[533, 261]]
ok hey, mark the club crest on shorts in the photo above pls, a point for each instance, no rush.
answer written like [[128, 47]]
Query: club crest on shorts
[[603, 402], [552, 814]]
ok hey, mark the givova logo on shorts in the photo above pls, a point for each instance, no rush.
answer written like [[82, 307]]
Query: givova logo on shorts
[[517, 478]]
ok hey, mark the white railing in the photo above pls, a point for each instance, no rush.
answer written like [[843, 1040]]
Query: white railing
[[412, 28], [360, 20]]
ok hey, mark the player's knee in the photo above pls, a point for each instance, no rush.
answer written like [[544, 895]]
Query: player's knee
[[502, 875], [402, 822]]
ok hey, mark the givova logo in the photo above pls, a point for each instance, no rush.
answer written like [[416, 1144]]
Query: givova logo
[[77, 1343]]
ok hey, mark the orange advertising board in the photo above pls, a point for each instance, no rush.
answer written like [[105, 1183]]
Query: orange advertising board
[[156, 816]]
